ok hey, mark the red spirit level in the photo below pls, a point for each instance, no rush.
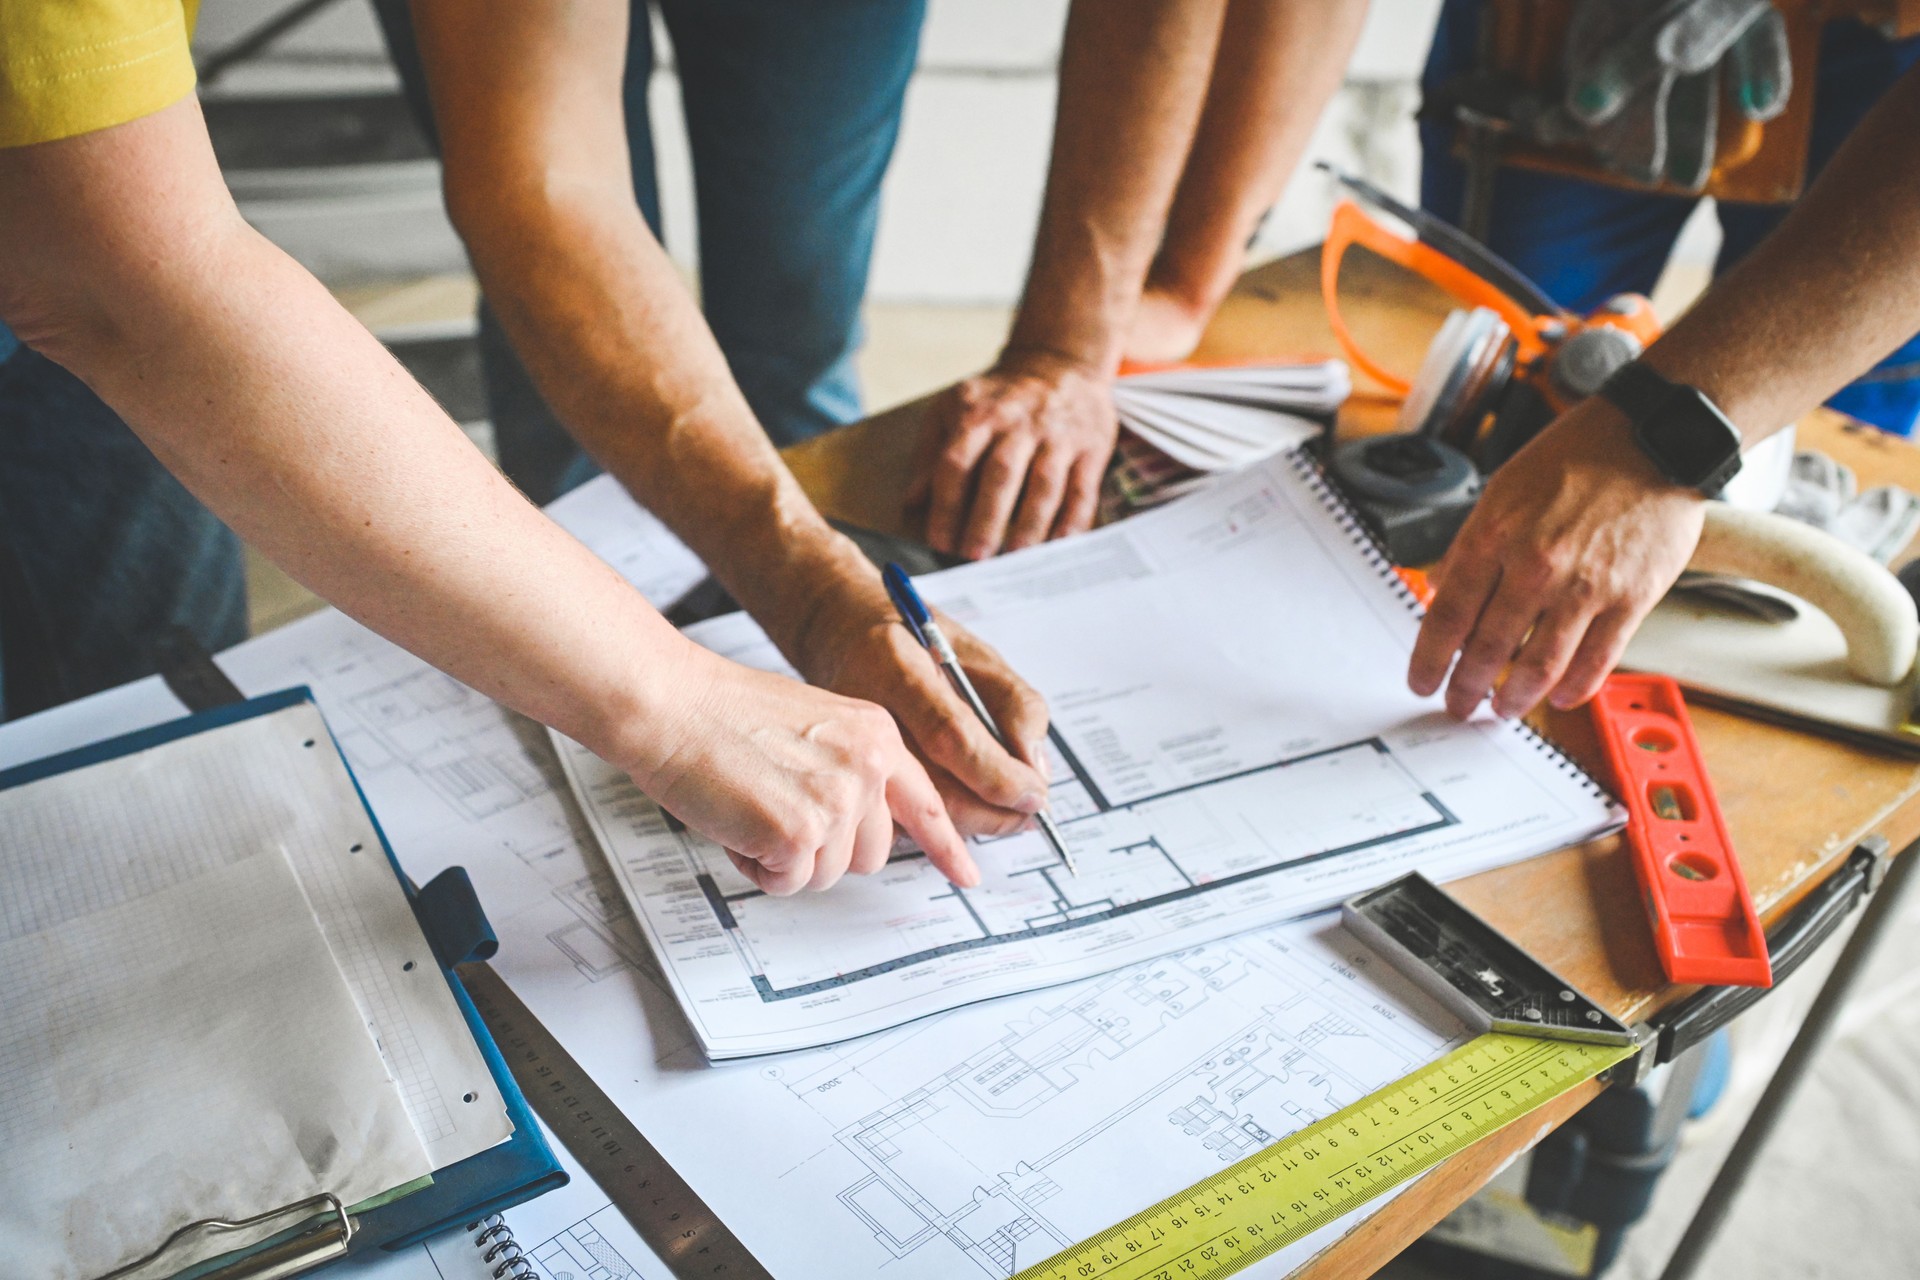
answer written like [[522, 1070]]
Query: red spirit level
[[1704, 924]]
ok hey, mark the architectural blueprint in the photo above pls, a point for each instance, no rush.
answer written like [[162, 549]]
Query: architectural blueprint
[[452, 774], [963, 1145], [1233, 745], [983, 1140], [966, 1144]]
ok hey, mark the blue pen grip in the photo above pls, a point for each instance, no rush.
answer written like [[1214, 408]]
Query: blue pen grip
[[913, 610]]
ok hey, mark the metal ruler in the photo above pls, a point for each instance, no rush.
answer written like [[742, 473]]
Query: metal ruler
[[673, 1220], [1301, 1183]]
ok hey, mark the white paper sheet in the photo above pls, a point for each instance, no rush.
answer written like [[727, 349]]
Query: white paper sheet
[[1210, 435], [1234, 745], [769, 1156], [176, 1042], [766, 1143], [107, 714], [363, 912], [1221, 419]]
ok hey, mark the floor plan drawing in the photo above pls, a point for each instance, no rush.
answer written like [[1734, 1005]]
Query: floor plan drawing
[[971, 1143], [986, 1139], [1147, 853], [582, 1252], [1222, 759], [974, 1141], [1268, 1069], [406, 719], [604, 940]]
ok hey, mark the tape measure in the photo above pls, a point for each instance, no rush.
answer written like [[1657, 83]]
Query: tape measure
[[1303, 1182]]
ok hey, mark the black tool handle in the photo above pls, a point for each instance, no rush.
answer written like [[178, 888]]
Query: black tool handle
[[1789, 944]]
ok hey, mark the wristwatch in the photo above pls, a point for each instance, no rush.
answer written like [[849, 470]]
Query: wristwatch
[[1678, 427]]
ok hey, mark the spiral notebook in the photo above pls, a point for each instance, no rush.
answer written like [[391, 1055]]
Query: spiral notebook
[[1233, 744], [1182, 425]]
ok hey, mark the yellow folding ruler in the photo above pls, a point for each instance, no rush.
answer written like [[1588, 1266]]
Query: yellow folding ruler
[[1301, 1183], [1542, 1038]]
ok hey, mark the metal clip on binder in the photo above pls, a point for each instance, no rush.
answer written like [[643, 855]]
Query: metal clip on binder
[[279, 1243]]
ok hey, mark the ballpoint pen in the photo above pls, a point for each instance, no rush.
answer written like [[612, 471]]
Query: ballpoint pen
[[919, 620]]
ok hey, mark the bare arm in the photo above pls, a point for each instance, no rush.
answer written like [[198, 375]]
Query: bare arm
[[1016, 455], [123, 258], [1579, 536], [1280, 62], [1178, 123], [527, 96], [1133, 78]]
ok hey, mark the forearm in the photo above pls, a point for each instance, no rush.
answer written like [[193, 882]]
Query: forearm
[[620, 350], [1830, 292], [1133, 76], [615, 341], [292, 423], [1280, 61]]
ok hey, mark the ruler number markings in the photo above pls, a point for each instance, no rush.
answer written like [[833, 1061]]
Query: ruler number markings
[[1280, 1195]]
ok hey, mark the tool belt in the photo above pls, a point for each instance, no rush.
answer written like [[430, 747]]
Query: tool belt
[[1689, 97]]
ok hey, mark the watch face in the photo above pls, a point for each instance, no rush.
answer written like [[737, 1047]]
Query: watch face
[[1689, 438]]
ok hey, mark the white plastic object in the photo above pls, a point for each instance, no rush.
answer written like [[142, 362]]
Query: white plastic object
[[1868, 604]]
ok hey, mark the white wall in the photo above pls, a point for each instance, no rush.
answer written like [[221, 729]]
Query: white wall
[[961, 199], [965, 188]]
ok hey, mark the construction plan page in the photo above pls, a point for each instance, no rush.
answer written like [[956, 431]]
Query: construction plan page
[[1233, 745]]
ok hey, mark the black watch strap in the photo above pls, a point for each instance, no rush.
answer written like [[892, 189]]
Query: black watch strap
[[1681, 431], [1637, 391]]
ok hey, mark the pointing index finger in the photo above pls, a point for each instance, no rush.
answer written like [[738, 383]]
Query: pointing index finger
[[916, 806]]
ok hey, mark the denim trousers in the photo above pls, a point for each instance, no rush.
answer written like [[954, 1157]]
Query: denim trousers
[[792, 111], [1584, 242], [102, 551]]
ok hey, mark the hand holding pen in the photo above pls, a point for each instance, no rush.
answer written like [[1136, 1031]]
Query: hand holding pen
[[920, 621]]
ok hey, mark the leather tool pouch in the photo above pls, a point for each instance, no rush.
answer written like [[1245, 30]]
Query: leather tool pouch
[[1688, 97]]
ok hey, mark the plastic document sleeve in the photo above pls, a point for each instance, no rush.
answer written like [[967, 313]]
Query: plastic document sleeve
[[297, 1238]]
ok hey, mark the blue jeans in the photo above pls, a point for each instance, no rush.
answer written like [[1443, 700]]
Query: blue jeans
[[1584, 241], [792, 111], [101, 549]]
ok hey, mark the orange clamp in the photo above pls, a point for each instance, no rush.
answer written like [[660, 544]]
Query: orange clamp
[[1705, 928]]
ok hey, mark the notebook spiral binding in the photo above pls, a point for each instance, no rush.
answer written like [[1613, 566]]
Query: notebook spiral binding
[[1312, 474], [500, 1253]]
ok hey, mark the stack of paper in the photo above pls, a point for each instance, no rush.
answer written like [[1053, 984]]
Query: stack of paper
[[219, 1002], [1224, 418]]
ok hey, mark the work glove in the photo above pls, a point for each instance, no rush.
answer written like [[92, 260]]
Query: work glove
[[1646, 78]]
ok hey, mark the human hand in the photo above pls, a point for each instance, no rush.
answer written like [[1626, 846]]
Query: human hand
[[1571, 544], [798, 784], [854, 643], [1015, 455]]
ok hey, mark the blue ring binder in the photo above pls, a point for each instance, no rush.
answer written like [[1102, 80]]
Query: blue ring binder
[[466, 1192]]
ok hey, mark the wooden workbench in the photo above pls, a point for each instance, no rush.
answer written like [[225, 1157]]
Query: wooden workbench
[[1796, 804]]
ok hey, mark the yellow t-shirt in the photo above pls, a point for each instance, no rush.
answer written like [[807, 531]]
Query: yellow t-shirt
[[73, 66]]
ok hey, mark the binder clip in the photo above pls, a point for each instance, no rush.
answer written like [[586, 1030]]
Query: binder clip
[[278, 1243]]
